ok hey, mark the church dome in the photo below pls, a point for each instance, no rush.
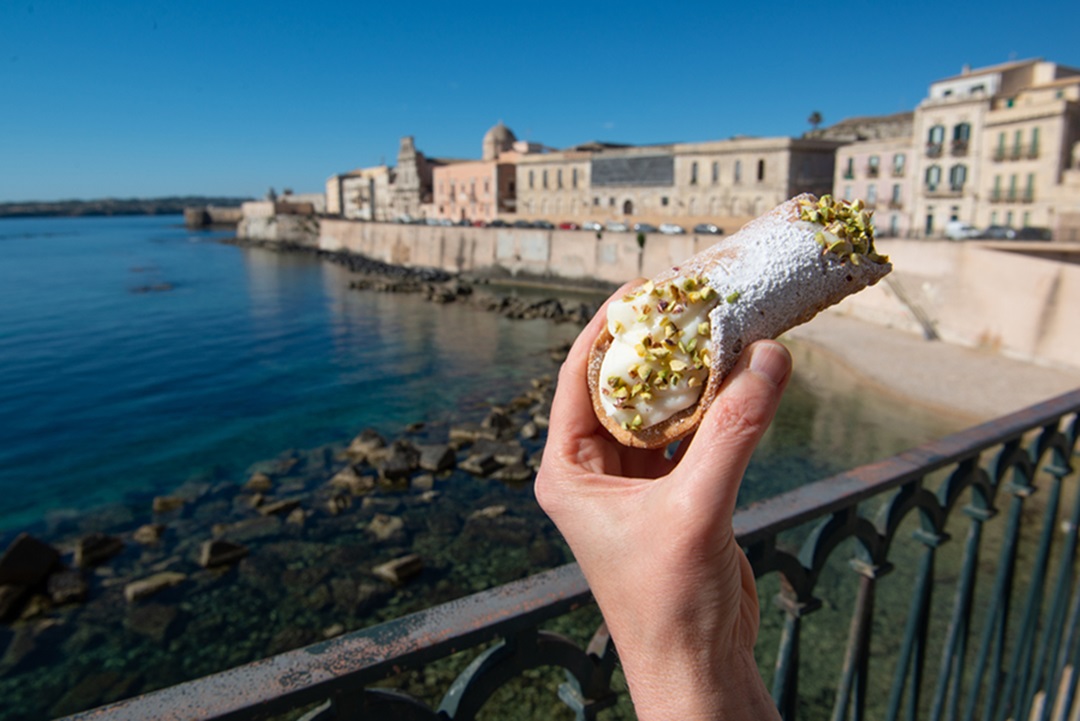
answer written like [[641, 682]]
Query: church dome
[[497, 140]]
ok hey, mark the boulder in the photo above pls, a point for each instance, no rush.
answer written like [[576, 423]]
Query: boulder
[[530, 430], [497, 420], [422, 482], [12, 598], [219, 552], [349, 479], [514, 473], [95, 549], [338, 503], [436, 458], [400, 570], [296, 517], [505, 452], [386, 528], [27, 561], [365, 444], [149, 534], [259, 483], [166, 504], [250, 528], [399, 461], [150, 585], [480, 464], [67, 587]]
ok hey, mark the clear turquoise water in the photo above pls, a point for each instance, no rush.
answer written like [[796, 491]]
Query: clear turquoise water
[[106, 392]]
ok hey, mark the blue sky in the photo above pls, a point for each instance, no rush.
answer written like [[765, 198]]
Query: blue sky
[[120, 98]]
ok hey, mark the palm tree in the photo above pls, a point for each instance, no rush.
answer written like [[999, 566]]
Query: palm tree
[[814, 119]]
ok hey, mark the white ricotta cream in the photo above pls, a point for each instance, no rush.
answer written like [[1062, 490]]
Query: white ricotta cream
[[658, 361]]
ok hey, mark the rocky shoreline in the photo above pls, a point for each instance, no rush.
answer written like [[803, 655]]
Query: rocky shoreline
[[311, 544]]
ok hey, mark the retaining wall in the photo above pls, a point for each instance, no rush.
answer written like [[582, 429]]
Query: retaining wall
[[1003, 297]]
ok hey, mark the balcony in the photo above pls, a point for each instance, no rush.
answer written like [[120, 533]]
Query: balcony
[[981, 527], [959, 148], [898, 172], [896, 204], [944, 191], [873, 171], [1012, 196], [1016, 152], [933, 150]]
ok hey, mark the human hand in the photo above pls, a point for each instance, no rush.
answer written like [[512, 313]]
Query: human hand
[[653, 537]]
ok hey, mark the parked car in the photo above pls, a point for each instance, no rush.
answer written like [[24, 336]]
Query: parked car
[[523, 224], [708, 229], [997, 232], [1030, 233], [592, 225], [616, 227], [644, 228], [959, 230], [545, 224], [498, 223], [479, 224], [672, 229], [568, 225]]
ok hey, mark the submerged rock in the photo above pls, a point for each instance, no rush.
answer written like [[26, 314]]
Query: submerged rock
[[67, 587], [219, 552], [95, 549], [400, 570], [150, 585]]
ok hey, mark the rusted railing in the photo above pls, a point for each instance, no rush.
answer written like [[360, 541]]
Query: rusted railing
[[987, 636]]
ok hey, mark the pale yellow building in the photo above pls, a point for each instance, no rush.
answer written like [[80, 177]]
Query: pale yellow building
[[992, 145]]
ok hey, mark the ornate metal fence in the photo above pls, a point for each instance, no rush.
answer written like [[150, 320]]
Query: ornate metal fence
[[991, 631]]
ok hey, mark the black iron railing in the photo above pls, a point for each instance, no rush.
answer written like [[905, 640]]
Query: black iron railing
[[990, 630]]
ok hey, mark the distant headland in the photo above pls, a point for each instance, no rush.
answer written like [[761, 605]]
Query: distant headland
[[171, 205]]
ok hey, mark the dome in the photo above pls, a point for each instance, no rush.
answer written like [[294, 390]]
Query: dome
[[497, 140]]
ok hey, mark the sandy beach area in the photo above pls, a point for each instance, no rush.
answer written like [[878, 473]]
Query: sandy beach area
[[976, 384]]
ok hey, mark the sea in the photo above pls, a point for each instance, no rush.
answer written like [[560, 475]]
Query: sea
[[138, 357]]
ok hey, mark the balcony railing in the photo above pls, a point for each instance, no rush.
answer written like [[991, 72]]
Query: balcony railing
[[944, 191], [1017, 152], [933, 150], [1012, 196], [985, 621], [959, 148], [872, 171]]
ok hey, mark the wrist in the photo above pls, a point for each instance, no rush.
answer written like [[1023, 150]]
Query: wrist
[[695, 686]]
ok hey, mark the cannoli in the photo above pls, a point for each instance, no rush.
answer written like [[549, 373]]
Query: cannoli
[[668, 344]]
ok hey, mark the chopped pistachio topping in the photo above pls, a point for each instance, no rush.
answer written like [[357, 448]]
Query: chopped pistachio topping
[[848, 228], [659, 358]]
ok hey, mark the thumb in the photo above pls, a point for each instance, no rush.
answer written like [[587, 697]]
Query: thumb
[[733, 425]]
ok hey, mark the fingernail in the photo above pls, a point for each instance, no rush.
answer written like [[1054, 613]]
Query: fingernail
[[770, 362]]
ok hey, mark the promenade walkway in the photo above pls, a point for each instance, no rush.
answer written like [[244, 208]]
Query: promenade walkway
[[977, 384]]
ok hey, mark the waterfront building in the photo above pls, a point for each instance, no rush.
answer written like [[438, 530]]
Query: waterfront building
[[692, 182], [480, 190], [994, 146], [383, 192]]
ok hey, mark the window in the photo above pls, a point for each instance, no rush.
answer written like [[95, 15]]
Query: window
[[663, 200], [957, 177], [573, 177], [1018, 137], [545, 179], [1029, 189], [1012, 187], [929, 220], [872, 166], [487, 187], [993, 218], [1033, 151], [894, 224], [849, 169], [898, 161], [871, 194], [1000, 152], [693, 173], [611, 202], [738, 171], [847, 192], [595, 201], [715, 173], [961, 131], [937, 135], [532, 184], [933, 177], [1009, 216], [558, 178], [896, 194], [1026, 222], [761, 170]]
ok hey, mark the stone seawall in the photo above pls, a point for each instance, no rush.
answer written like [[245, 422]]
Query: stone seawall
[[1002, 297]]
